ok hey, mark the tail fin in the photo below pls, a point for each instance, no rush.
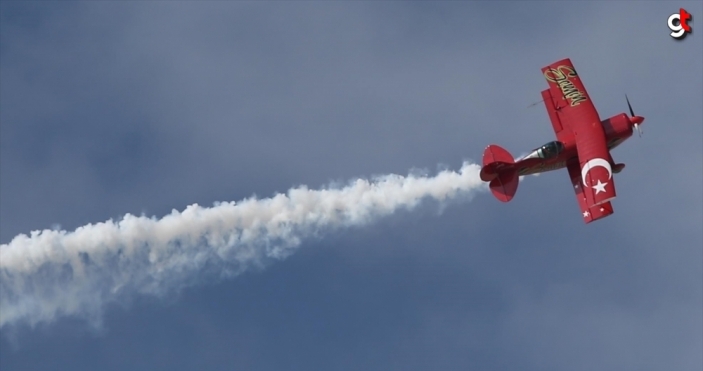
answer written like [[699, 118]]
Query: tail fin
[[498, 169]]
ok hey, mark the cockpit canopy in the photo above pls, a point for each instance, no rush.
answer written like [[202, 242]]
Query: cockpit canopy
[[547, 151]]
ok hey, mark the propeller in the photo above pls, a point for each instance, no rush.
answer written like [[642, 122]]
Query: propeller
[[635, 120]]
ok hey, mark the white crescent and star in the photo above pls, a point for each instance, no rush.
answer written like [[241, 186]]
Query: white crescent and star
[[600, 187], [592, 163]]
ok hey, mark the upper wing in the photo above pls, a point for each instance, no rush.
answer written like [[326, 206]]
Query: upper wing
[[589, 213], [566, 100], [575, 110], [568, 95]]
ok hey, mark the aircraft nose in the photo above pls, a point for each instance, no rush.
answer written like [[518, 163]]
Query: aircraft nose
[[636, 120]]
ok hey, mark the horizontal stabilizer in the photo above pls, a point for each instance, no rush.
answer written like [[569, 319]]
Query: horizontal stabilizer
[[505, 185]]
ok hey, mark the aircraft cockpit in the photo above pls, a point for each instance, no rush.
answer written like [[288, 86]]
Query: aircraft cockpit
[[547, 151]]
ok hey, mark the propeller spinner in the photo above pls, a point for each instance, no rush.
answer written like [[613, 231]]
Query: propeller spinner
[[634, 120]]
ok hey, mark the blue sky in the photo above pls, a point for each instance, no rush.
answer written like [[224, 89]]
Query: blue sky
[[111, 108]]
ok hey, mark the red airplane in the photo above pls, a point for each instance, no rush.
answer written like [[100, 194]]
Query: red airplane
[[583, 146]]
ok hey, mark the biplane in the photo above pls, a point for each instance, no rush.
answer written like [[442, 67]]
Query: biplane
[[583, 146]]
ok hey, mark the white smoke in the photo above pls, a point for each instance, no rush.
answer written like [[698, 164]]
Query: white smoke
[[54, 273]]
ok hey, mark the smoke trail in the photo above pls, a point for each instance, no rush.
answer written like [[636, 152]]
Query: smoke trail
[[53, 273]]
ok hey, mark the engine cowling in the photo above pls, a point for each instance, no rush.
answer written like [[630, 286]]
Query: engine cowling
[[617, 129]]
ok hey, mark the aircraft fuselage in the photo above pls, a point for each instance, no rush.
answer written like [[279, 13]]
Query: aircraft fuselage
[[617, 130]]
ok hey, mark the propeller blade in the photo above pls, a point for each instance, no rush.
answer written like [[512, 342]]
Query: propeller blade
[[632, 113]]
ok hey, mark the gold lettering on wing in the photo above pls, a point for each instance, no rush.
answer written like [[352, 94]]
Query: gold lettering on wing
[[561, 76]]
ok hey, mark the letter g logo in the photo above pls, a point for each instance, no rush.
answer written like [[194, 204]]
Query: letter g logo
[[678, 24]]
